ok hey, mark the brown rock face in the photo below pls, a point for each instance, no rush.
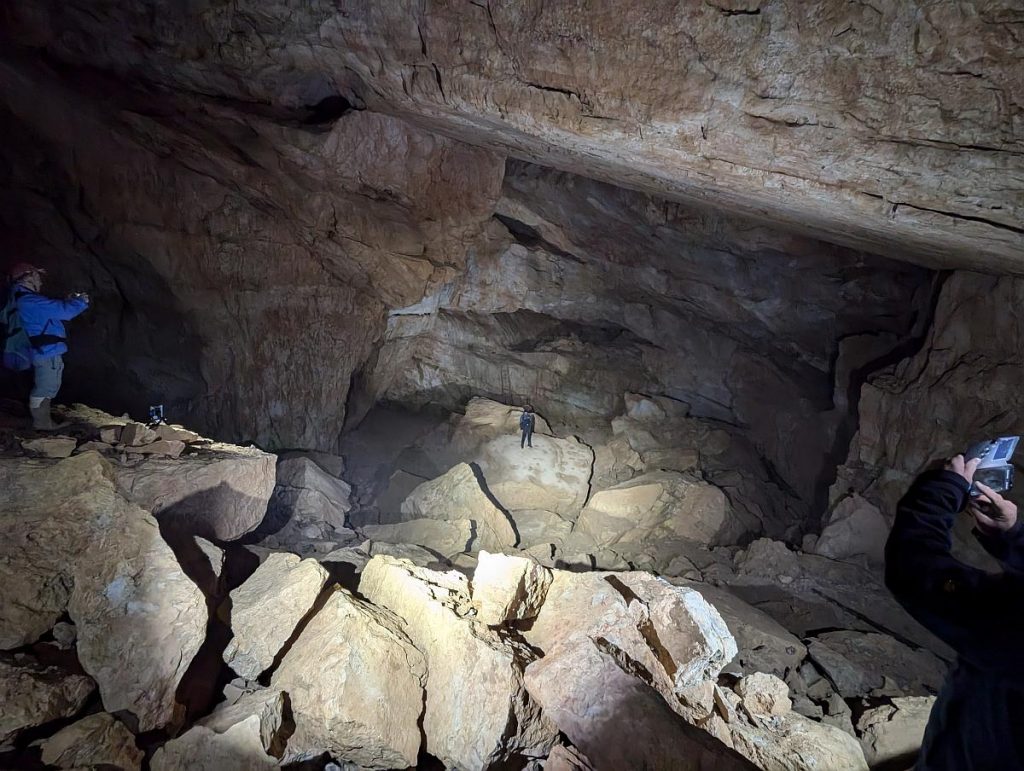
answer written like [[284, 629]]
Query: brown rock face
[[221, 492], [356, 686], [616, 718], [477, 711], [96, 740], [458, 496], [739, 104], [268, 279], [35, 696], [75, 544], [267, 608], [961, 386], [323, 254]]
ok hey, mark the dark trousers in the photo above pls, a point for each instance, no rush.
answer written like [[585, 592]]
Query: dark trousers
[[527, 440]]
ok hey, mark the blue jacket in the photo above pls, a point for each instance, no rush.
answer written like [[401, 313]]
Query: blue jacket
[[44, 316], [977, 723]]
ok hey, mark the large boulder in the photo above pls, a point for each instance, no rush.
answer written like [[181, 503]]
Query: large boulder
[[239, 748], [478, 713], [508, 588], [859, 663], [485, 420], [34, 695], [807, 592], [356, 686], [267, 608], [74, 543], [458, 495], [669, 633], [615, 461], [97, 740], [269, 706], [657, 506], [553, 475], [792, 741], [855, 529], [536, 527], [444, 537], [243, 736], [305, 494], [892, 733], [764, 694], [614, 717], [763, 644], [219, 492]]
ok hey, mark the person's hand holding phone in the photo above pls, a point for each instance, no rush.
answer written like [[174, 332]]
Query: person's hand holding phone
[[991, 511], [966, 469]]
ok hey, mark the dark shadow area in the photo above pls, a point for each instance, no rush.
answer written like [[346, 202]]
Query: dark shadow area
[[198, 513], [135, 346], [207, 674], [925, 304], [479, 474], [327, 110]]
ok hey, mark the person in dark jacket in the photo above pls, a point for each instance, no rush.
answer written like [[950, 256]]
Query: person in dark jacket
[[526, 423], [977, 723], [43, 319]]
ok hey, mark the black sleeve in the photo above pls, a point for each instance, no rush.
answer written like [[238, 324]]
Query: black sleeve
[[966, 607], [1006, 547]]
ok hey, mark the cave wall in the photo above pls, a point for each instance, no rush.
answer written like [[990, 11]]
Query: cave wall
[[268, 251], [593, 291], [961, 386]]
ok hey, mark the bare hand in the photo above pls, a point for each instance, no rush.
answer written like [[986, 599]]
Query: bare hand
[[992, 512], [957, 465]]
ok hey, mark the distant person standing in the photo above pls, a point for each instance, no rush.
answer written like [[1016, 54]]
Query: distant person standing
[[526, 423], [39, 322]]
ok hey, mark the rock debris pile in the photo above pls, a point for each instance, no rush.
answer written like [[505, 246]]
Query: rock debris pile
[[464, 627]]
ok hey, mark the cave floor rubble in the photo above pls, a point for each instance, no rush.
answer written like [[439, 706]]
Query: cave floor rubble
[[557, 648]]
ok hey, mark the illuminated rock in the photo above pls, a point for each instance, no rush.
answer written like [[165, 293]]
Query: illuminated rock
[[266, 609], [477, 710], [657, 506], [74, 543], [763, 694], [508, 588], [457, 495], [355, 682]]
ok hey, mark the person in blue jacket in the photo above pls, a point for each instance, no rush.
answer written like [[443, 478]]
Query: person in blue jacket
[[526, 423], [977, 723], [43, 319]]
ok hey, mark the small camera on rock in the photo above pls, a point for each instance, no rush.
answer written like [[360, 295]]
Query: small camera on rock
[[156, 415], [995, 469]]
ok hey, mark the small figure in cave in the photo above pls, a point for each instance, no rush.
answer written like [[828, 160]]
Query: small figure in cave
[[978, 720], [526, 423], [42, 319]]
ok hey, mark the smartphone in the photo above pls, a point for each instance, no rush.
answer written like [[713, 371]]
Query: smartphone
[[995, 469]]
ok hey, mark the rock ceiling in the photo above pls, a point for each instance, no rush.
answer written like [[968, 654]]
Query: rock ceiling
[[896, 128]]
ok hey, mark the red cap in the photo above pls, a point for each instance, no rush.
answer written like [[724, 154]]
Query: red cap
[[23, 269]]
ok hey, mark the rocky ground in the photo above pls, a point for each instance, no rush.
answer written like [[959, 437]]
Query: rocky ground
[[601, 601]]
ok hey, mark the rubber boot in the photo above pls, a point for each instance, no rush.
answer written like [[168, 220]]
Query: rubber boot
[[41, 418]]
